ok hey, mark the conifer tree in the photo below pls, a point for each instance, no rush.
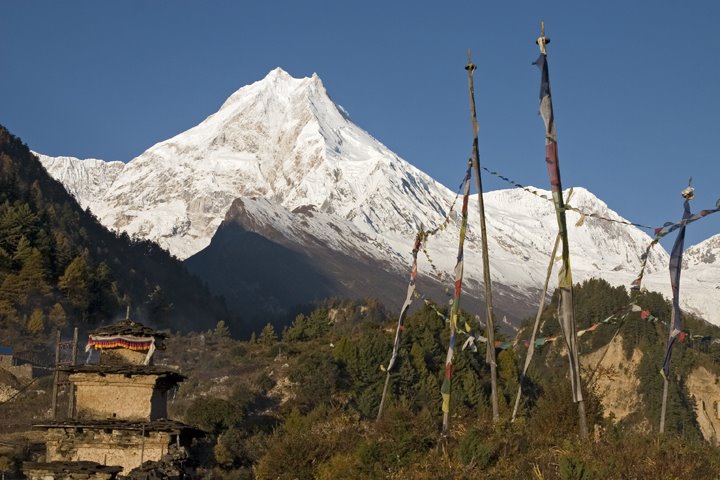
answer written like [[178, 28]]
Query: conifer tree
[[17, 221], [36, 322], [74, 283], [29, 287], [22, 251], [57, 316], [268, 335], [221, 331]]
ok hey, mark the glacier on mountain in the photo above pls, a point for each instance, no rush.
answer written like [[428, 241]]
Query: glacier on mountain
[[282, 142]]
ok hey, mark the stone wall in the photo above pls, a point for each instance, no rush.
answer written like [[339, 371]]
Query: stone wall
[[118, 396], [122, 356], [125, 448], [21, 372], [6, 360], [69, 471]]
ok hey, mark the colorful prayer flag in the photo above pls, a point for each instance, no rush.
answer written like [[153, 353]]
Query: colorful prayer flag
[[567, 316], [454, 311], [675, 270]]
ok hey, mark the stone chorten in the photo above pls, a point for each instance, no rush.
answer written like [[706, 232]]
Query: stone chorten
[[120, 417]]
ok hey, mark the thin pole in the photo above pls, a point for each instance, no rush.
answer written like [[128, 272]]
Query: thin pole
[[566, 309], [403, 311], [490, 322], [531, 346], [71, 387], [142, 445], [384, 394], [446, 388], [55, 376], [675, 317], [666, 383], [664, 405]]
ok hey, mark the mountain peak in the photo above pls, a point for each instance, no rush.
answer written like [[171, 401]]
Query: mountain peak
[[283, 139], [277, 86], [277, 72]]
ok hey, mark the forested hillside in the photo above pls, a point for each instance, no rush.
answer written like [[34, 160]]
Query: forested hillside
[[59, 267], [302, 403]]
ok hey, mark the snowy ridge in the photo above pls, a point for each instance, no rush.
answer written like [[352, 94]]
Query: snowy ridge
[[699, 282], [85, 180], [285, 148], [304, 225]]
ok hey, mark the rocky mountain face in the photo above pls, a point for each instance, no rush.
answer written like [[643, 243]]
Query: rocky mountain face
[[301, 188]]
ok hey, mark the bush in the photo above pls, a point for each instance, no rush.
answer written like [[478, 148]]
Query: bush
[[475, 451], [213, 415], [572, 468]]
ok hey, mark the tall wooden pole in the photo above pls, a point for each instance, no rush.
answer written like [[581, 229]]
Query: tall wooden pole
[[675, 317], [446, 387], [566, 310], [531, 346], [71, 386], [664, 405], [56, 378], [490, 321], [403, 311], [666, 383]]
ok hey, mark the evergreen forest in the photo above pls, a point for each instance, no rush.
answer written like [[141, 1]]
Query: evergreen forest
[[59, 267]]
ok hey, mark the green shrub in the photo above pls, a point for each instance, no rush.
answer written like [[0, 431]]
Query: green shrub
[[474, 450], [573, 468]]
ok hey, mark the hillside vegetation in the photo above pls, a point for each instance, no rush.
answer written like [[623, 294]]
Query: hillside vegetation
[[302, 404]]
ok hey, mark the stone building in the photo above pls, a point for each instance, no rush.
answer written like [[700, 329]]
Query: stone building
[[21, 370], [120, 412]]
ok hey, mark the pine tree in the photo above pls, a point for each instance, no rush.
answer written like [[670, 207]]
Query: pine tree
[[268, 335], [22, 251], [221, 332], [57, 316], [74, 283], [29, 287], [15, 222], [36, 322], [63, 250]]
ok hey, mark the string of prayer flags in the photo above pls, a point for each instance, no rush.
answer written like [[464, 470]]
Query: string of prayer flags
[[447, 381], [408, 300], [582, 213], [594, 327], [669, 227]]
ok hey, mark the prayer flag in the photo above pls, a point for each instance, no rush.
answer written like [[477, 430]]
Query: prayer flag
[[454, 311], [566, 310], [675, 269]]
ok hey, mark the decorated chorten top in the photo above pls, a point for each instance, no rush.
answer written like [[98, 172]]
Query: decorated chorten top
[[126, 342]]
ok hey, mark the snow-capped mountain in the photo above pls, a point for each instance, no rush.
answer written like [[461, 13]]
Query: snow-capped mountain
[[286, 150], [86, 180], [699, 282]]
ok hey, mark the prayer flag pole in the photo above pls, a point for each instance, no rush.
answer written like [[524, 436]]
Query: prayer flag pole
[[454, 311], [490, 321], [675, 320], [566, 308], [531, 346], [403, 311]]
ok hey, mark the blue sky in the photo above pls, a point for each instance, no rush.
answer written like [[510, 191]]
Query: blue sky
[[635, 84]]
